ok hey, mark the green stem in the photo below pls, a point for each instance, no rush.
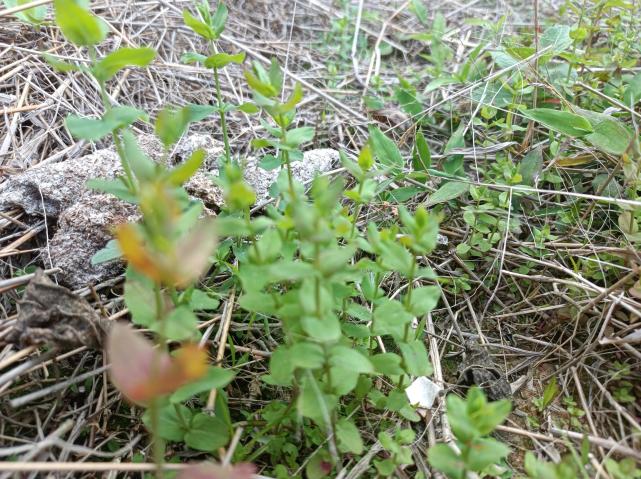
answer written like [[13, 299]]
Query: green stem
[[408, 296], [223, 119], [285, 157]]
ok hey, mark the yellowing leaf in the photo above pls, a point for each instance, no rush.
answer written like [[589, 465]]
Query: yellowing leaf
[[133, 249], [141, 372]]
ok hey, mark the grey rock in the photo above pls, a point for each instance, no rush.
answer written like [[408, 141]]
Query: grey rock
[[85, 217]]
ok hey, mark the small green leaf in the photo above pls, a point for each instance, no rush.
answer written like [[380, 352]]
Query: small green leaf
[[201, 301], [248, 108], [385, 149], [560, 121], [141, 165], [349, 438], [109, 253], [220, 60], [390, 317], [531, 167], [447, 192], [106, 68], [187, 169], [357, 361], [78, 25], [443, 458], [215, 378], [93, 129], [179, 325], [34, 16], [415, 358], [192, 57], [207, 433], [297, 136], [60, 65], [140, 299], [422, 158], [172, 122], [307, 355], [424, 299], [198, 27], [219, 19], [114, 187], [173, 421], [485, 452], [387, 363]]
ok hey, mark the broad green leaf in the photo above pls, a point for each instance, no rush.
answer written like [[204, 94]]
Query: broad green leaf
[[180, 325], [557, 37], [357, 361], [281, 368], [485, 452], [93, 129], [170, 422], [324, 330], [78, 25], [443, 458], [531, 167], [632, 93], [421, 158], [248, 108], [610, 136], [447, 192], [560, 121], [297, 136], [424, 299], [390, 317], [207, 433], [387, 363], [312, 402], [349, 438], [307, 355], [415, 358], [140, 299], [201, 301], [220, 60], [124, 57], [198, 27], [215, 378], [385, 149]]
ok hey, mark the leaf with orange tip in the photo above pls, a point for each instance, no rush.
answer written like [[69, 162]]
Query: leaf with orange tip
[[133, 249], [141, 372], [211, 471]]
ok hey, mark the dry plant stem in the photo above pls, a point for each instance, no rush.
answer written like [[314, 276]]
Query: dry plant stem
[[562, 433], [222, 341], [27, 398], [585, 406]]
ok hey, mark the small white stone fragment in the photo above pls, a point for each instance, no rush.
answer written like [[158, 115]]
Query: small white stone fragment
[[422, 392]]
